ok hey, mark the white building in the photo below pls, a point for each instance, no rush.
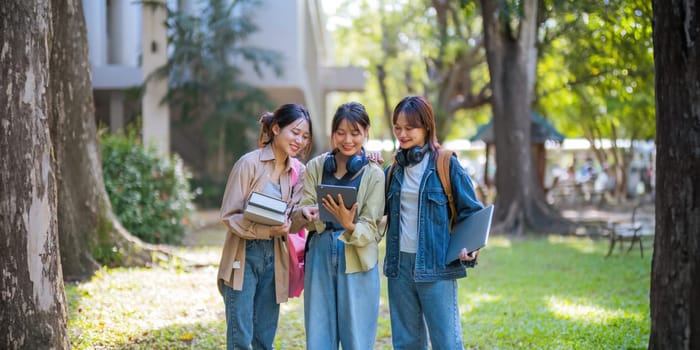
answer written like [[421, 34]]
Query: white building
[[127, 41]]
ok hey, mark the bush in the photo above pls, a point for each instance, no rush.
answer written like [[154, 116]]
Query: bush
[[149, 194]]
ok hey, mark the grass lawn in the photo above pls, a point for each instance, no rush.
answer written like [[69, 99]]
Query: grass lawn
[[548, 292]]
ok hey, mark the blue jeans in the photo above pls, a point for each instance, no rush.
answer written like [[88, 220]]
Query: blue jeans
[[252, 313], [413, 306], [339, 308]]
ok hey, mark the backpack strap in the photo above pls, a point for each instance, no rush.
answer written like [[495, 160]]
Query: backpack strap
[[294, 173], [388, 177], [443, 170]]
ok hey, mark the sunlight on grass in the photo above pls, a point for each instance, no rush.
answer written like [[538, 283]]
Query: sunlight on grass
[[567, 309], [533, 292], [208, 255], [518, 297], [498, 241], [476, 300], [121, 306], [582, 244]]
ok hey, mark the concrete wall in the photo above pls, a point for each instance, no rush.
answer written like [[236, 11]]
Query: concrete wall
[[126, 42]]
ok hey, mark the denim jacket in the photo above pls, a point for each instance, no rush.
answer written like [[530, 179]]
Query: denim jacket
[[433, 221]]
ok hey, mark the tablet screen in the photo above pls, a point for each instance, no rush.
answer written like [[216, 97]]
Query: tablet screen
[[349, 194]]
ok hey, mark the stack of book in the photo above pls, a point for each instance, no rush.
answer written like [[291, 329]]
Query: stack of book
[[267, 210]]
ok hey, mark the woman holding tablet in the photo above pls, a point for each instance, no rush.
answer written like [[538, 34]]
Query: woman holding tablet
[[253, 270], [341, 282], [422, 288]]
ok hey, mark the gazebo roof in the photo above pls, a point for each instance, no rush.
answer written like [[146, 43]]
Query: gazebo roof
[[540, 131]]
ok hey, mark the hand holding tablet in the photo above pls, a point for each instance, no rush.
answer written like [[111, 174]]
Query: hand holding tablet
[[347, 195]]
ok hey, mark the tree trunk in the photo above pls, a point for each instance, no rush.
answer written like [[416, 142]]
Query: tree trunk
[[453, 88], [88, 231], [381, 71], [381, 82], [511, 57], [675, 276], [33, 305], [73, 134]]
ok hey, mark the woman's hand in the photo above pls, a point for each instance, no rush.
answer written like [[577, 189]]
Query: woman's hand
[[345, 217], [375, 157], [310, 213], [464, 256], [280, 230]]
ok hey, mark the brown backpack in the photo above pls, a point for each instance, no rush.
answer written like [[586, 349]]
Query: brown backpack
[[443, 170]]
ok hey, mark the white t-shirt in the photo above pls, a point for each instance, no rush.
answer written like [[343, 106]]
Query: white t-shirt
[[409, 205]]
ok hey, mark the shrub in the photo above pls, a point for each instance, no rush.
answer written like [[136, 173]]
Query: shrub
[[149, 194]]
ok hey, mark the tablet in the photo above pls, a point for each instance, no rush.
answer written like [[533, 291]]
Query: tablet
[[349, 194]]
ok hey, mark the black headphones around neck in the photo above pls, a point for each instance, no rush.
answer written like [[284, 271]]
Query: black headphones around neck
[[411, 156], [353, 165]]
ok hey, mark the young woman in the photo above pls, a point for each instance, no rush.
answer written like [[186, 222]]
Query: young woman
[[422, 289], [253, 270], [341, 284]]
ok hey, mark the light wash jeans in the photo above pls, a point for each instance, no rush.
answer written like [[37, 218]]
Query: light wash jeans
[[339, 308], [415, 305], [252, 313]]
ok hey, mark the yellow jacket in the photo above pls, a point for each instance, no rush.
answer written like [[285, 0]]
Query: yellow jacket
[[361, 245]]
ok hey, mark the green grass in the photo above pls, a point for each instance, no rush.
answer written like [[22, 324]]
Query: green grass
[[529, 293]]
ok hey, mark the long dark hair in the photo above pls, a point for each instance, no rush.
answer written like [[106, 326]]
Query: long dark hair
[[284, 115]]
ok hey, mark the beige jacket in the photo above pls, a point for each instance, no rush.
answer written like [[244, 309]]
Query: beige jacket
[[362, 244], [251, 173]]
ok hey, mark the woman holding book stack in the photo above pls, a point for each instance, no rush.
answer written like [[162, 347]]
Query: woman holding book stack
[[253, 271], [341, 282], [422, 286]]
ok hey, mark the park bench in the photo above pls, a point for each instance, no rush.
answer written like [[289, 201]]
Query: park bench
[[632, 231]]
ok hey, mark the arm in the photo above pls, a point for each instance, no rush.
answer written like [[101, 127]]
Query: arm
[[238, 187], [466, 203], [312, 177], [463, 192]]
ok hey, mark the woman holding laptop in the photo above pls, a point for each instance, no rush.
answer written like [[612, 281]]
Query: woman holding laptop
[[341, 282], [422, 286]]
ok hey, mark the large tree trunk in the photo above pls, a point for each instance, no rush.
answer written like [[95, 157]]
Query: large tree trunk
[[381, 82], [675, 276], [71, 114], [32, 304], [88, 230], [453, 83], [511, 54], [381, 71]]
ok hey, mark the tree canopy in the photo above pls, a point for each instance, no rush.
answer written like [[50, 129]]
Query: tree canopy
[[594, 74]]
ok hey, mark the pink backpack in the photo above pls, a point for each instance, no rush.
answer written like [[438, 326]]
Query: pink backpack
[[296, 243]]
